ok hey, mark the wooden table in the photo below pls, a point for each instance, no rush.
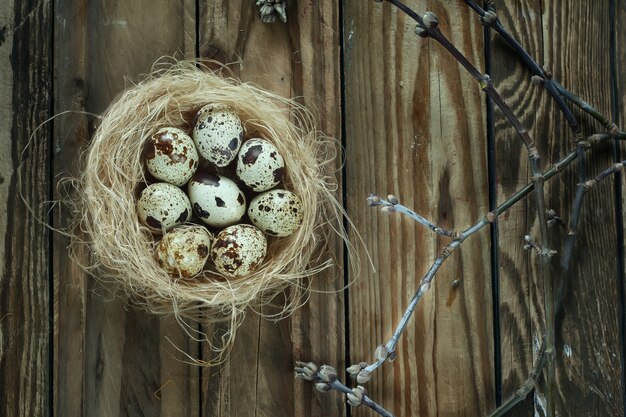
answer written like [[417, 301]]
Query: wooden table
[[412, 122]]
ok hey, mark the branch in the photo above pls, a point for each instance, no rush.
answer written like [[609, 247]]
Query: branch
[[427, 27], [527, 387], [588, 108], [490, 19], [325, 380], [392, 205], [362, 371]]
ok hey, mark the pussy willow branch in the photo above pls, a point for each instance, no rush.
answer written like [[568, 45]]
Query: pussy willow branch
[[558, 92], [522, 392], [614, 131], [461, 236], [427, 27], [325, 379], [391, 205], [489, 18], [584, 106], [570, 240], [566, 261], [387, 352]]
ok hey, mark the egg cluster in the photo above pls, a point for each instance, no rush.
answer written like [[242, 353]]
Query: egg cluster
[[223, 183]]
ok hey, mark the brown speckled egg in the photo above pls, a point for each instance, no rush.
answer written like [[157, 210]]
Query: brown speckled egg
[[239, 250], [183, 252], [276, 212], [216, 200], [162, 206], [259, 165], [171, 156], [218, 134]]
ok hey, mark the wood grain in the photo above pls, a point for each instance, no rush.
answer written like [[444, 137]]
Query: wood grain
[[6, 113], [518, 292], [415, 128], [589, 373], [620, 103], [70, 135], [584, 345], [24, 291], [299, 59], [116, 360]]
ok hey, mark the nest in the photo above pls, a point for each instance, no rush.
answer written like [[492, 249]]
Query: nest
[[123, 249]]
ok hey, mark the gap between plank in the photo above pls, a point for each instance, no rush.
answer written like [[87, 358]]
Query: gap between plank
[[617, 190], [344, 199], [50, 217], [493, 229]]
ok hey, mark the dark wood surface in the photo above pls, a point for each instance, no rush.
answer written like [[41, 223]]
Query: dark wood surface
[[415, 129], [412, 123]]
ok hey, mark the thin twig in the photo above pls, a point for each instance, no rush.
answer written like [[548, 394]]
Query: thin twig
[[586, 107], [325, 379], [391, 205], [490, 19], [427, 27], [338, 386], [522, 392], [581, 189], [451, 247]]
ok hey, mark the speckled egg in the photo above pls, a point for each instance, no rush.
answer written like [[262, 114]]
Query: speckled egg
[[218, 134], [276, 212], [162, 206], [183, 252], [239, 250], [259, 165], [171, 156], [215, 199]]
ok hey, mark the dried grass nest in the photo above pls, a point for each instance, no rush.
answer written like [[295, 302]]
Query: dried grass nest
[[123, 249]]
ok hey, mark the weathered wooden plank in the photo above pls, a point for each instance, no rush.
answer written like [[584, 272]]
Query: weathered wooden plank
[[6, 113], [519, 333], [589, 372], [299, 59], [415, 128], [588, 335], [25, 64], [620, 103], [69, 137], [126, 365]]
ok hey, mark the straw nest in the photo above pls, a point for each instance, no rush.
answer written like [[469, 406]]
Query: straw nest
[[123, 249]]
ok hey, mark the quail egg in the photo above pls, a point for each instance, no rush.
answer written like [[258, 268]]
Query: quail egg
[[215, 199], [171, 156], [276, 212], [184, 251], [161, 206], [239, 250], [218, 134], [259, 165]]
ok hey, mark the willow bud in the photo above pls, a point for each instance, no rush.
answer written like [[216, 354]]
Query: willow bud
[[431, 20], [421, 31], [381, 353], [327, 373], [353, 370], [363, 376], [323, 386]]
